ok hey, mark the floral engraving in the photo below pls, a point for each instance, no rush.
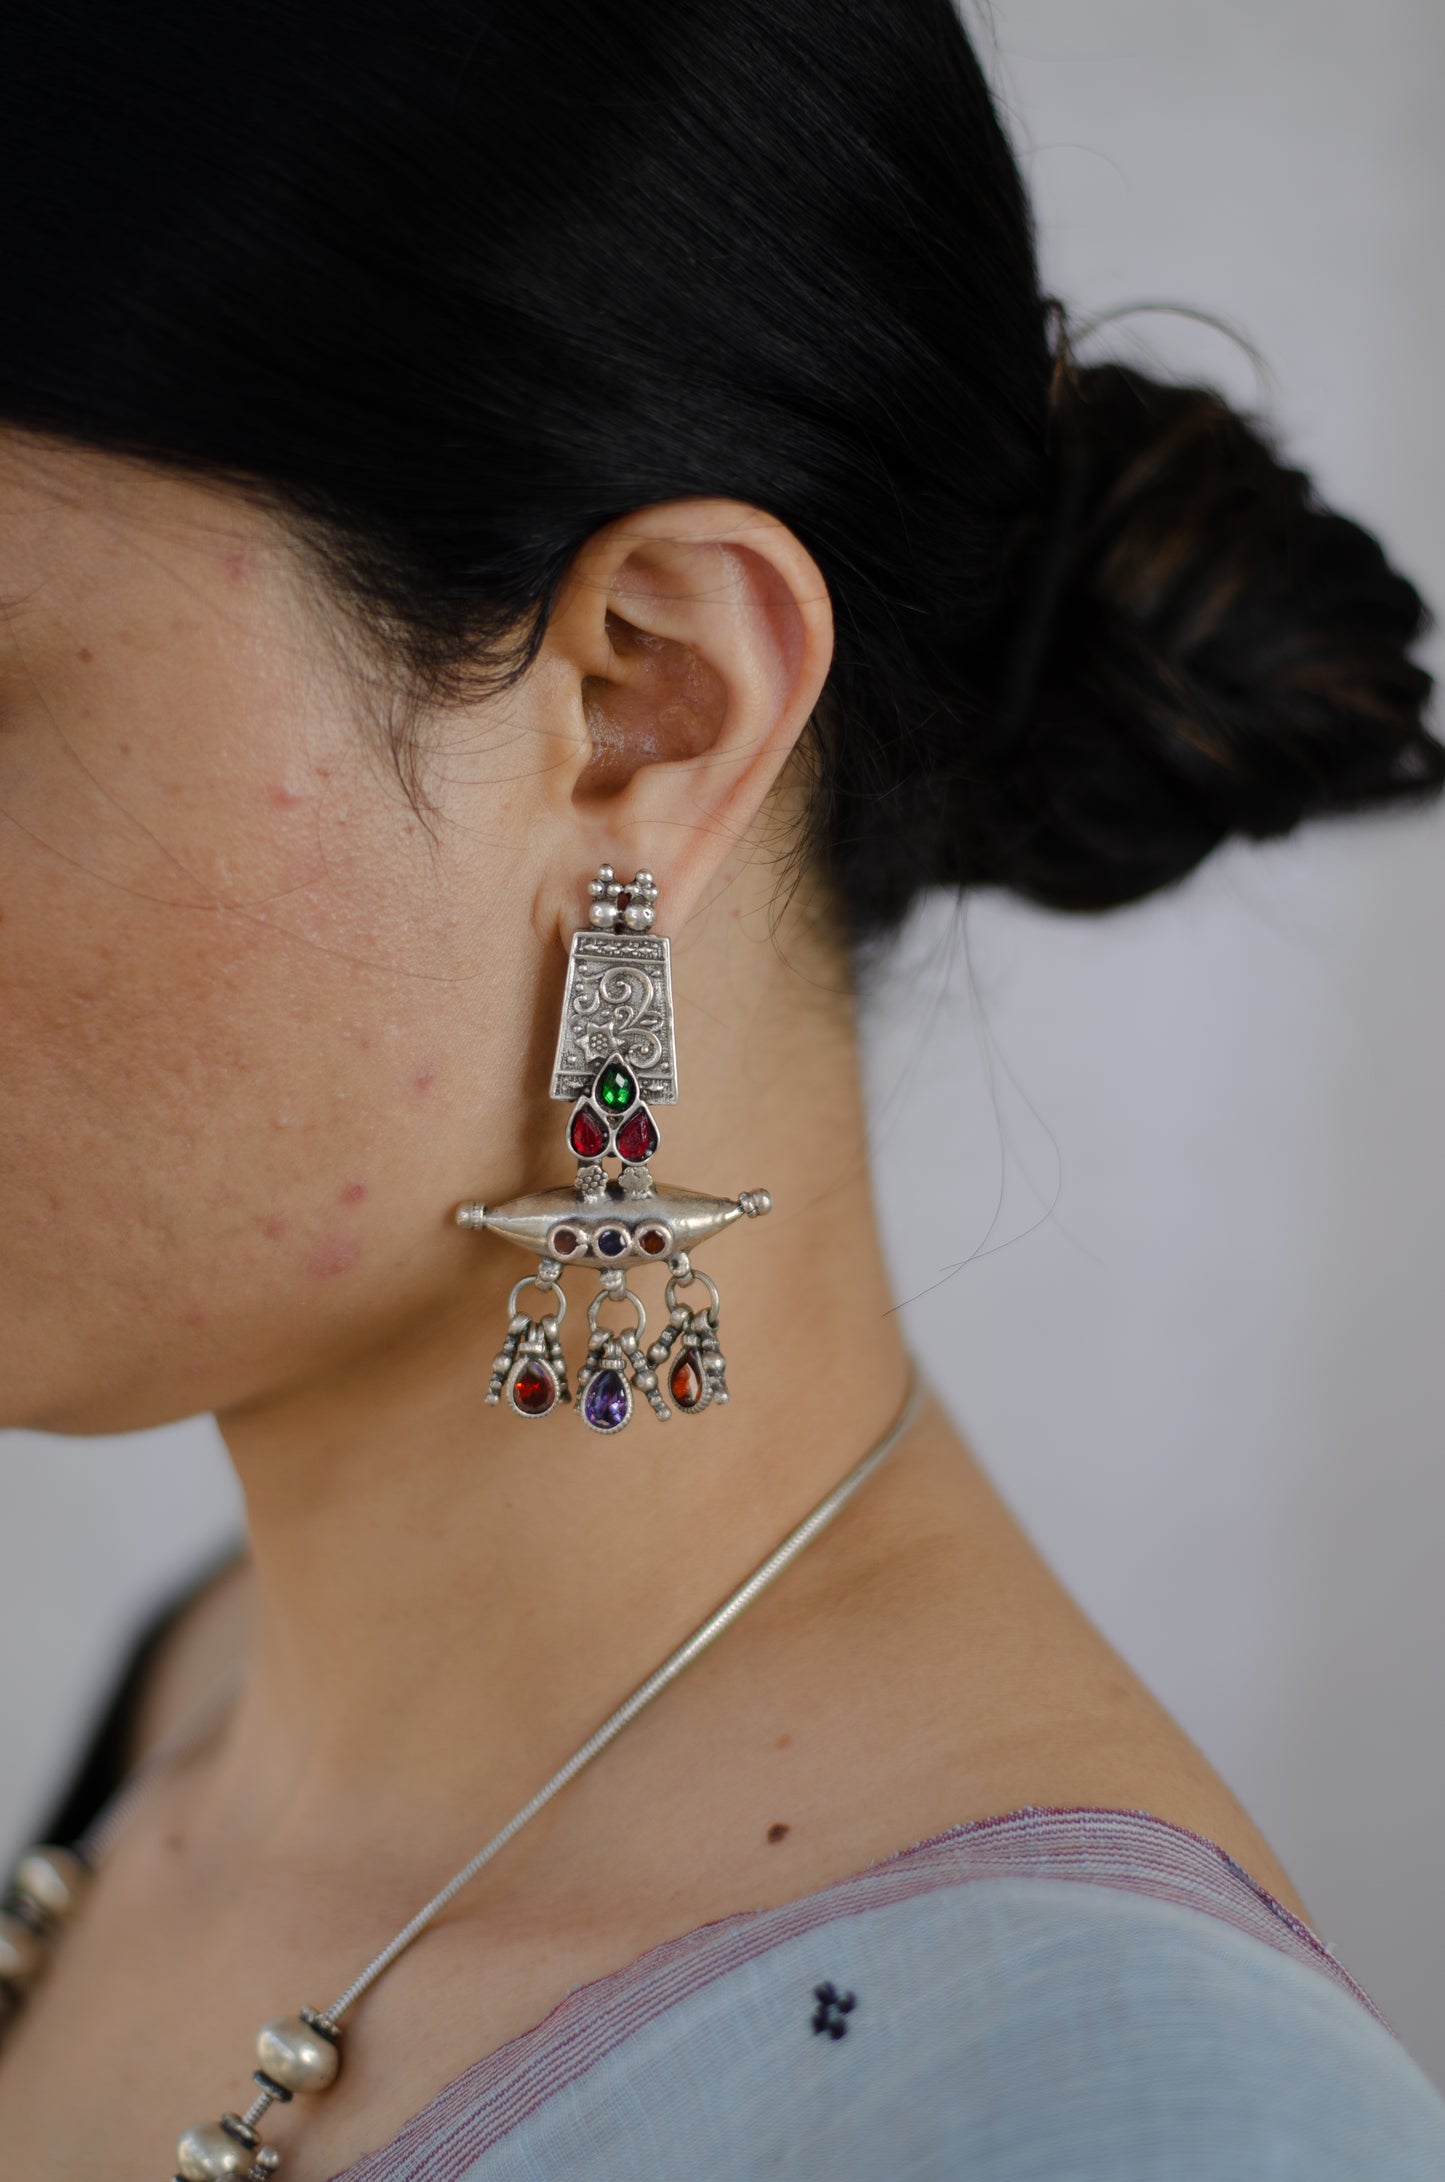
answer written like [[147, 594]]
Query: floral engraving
[[618, 1000]]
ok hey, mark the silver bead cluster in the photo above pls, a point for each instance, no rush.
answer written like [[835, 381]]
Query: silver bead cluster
[[528, 1339], [694, 1331], [617, 907], [591, 1181], [645, 1379], [620, 1352]]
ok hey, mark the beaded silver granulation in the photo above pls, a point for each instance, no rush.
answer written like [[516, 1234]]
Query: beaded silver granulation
[[616, 1059], [300, 2055]]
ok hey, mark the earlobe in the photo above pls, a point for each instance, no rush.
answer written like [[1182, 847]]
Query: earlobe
[[700, 637]]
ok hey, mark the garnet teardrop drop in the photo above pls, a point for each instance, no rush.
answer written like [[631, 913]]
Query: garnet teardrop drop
[[686, 1383], [534, 1388], [637, 1138], [588, 1133]]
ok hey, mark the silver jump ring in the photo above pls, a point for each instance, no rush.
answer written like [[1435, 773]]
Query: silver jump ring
[[619, 1295], [548, 1287], [686, 1282]]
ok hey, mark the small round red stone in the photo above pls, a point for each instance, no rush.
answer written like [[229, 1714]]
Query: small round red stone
[[588, 1133], [534, 1390], [686, 1383], [566, 1242], [654, 1240]]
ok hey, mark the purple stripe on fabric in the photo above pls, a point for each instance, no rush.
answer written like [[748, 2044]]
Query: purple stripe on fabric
[[1127, 1850]]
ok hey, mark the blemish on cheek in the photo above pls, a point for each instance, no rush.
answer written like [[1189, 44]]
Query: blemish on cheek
[[425, 1078], [333, 1254], [353, 1193], [85, 654], [274, 1226], [193, 1316], [237, 565], [779, 1830], [282, 796], [784, 1742]]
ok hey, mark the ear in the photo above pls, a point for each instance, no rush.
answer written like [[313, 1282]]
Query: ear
[[689, 645]]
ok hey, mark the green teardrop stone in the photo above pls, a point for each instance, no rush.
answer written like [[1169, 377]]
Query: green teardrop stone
[[616, 1089]]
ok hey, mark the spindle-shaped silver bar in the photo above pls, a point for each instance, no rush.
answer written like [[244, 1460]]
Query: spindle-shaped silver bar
[[616, 1227]]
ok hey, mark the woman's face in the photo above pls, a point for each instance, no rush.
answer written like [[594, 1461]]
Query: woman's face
[[262, 1025]]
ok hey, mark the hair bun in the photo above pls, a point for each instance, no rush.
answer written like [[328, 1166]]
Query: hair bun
[[1201, 649]]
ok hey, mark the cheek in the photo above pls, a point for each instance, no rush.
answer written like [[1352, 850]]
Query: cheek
[[156, 1076], [259, 1032], [216, 1140]]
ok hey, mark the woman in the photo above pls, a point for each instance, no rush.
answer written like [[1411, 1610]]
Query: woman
[[456, 458]]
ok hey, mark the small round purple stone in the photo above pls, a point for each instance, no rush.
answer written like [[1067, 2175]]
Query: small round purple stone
[[604, 1405]]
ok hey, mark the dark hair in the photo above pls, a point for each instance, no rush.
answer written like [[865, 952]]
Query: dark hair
[[455, 282]]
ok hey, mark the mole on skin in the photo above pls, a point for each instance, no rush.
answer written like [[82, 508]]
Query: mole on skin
[[777, 1830]]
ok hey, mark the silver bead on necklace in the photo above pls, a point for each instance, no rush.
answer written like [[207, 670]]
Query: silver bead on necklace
[[301, 2054]]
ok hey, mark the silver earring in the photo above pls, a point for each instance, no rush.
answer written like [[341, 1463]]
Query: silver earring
[[616, 1060]]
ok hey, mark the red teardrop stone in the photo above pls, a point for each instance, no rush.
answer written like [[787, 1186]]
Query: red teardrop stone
[[534, 1390], [686, 1381], [637, 1139], [588, 1133]]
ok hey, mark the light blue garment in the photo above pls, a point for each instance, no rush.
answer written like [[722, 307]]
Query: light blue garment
[[1003, 2029]]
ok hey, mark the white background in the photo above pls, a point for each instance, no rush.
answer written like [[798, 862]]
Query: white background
[[1164, 1191]]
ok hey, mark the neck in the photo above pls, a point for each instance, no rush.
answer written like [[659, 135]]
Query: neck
[[441, 1585]]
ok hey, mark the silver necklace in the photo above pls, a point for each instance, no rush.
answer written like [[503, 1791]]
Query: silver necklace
[[302, 2053]]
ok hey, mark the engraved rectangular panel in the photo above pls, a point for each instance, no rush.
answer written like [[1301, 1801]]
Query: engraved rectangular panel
[[618, 1000]]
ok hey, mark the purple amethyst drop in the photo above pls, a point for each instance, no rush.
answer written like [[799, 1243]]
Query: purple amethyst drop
[[605, 1404]]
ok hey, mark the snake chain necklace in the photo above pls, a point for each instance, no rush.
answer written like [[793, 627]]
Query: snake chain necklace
[[302, 2053]]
